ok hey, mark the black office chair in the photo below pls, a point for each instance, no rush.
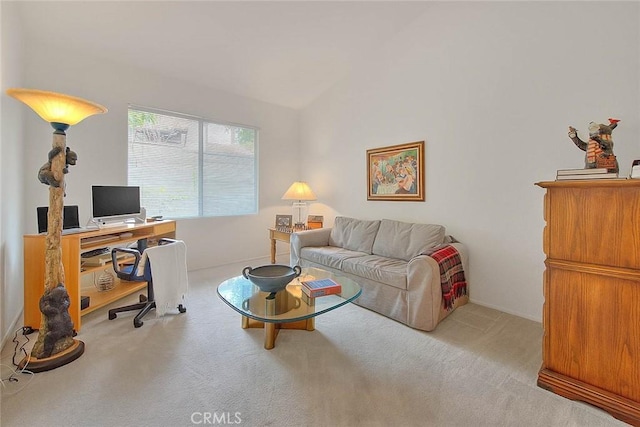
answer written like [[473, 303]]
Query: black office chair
[[130, 272]]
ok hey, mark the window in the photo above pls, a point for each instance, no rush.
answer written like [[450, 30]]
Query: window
[[189, 167]]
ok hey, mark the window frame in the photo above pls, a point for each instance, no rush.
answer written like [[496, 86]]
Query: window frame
[[202, 122]]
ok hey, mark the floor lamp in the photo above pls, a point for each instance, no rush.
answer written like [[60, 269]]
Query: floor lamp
[[55, 345], [301, 192]]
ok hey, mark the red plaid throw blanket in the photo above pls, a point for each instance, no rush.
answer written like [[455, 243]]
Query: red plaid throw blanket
[[452, 278]]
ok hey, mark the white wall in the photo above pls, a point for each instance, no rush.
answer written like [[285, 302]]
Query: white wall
[[11, 186], [101, 144], [492, 88]]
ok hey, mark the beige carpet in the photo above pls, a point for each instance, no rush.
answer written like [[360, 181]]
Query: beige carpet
[[357, 369]]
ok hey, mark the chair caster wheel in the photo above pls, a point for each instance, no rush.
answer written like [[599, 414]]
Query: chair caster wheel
[[137, 323], [112, 316], [182, 309]]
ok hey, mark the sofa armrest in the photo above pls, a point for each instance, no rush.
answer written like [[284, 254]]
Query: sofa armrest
[[425, 289], [462, 250], [300, 239]]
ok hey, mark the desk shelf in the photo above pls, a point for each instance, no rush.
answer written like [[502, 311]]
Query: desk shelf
[[99, 299], [112, 240], [86, 269]]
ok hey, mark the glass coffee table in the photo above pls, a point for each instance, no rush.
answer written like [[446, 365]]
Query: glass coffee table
[[287, 309]]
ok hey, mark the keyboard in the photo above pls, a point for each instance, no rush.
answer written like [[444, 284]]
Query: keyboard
[[95, 252], [73, 230], [98, 239], [69, 231]]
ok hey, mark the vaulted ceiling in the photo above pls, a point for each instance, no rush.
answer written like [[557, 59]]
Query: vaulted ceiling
[[285, 53]]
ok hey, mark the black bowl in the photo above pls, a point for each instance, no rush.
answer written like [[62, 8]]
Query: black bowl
[[271, 278]]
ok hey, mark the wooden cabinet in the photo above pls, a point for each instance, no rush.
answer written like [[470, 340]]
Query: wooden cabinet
[[73, 245], [591, 314]]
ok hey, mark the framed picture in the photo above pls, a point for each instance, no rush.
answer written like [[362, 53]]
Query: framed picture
[[314, 221], [635, 169], [396, 173], [284, 220]]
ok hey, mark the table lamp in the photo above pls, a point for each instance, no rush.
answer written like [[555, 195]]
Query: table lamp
[[55, 345], [301, 192]]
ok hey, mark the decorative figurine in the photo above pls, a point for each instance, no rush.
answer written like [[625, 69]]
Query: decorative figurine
[[599, 149], [55, 308], [46, 176]]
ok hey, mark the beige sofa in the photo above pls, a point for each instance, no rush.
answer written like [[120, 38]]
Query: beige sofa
[[387, 258]]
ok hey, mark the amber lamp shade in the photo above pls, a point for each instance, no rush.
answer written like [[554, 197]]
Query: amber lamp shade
[[58, 109]]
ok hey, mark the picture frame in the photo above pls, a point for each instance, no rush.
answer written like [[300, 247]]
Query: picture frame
[[635, 170], [396, 173], [284, 221], [315, 221]]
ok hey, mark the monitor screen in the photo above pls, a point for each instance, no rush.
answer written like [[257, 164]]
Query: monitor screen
[[113, 201], [70, 218]]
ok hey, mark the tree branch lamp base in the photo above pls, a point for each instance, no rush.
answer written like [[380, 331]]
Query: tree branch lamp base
[[68, 355], [56, 329]]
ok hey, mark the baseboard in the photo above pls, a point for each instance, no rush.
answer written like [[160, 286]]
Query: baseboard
[[504, 310]]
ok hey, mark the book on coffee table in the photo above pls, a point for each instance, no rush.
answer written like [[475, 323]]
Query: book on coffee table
[[320, 287]]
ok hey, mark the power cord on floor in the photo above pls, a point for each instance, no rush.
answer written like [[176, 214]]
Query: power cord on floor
[[13, 379], [25, 331]]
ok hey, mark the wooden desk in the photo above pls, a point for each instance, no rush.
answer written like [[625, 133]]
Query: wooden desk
[[275, 235], [73, 245]]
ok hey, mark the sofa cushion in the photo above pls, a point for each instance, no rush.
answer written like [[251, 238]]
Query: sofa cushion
[[390, 271], [405, 240], [328, 255], [353, 234]]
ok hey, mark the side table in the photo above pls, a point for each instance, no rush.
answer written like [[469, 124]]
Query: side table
[[276, 235]]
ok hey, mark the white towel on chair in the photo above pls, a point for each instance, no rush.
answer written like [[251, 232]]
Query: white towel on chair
[[169, 273]]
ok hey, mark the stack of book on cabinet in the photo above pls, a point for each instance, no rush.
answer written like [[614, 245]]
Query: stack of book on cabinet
[[319, 288], [596, 173]]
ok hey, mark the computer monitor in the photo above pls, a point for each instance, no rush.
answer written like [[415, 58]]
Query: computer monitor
[[115, 202], [70, 218]]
